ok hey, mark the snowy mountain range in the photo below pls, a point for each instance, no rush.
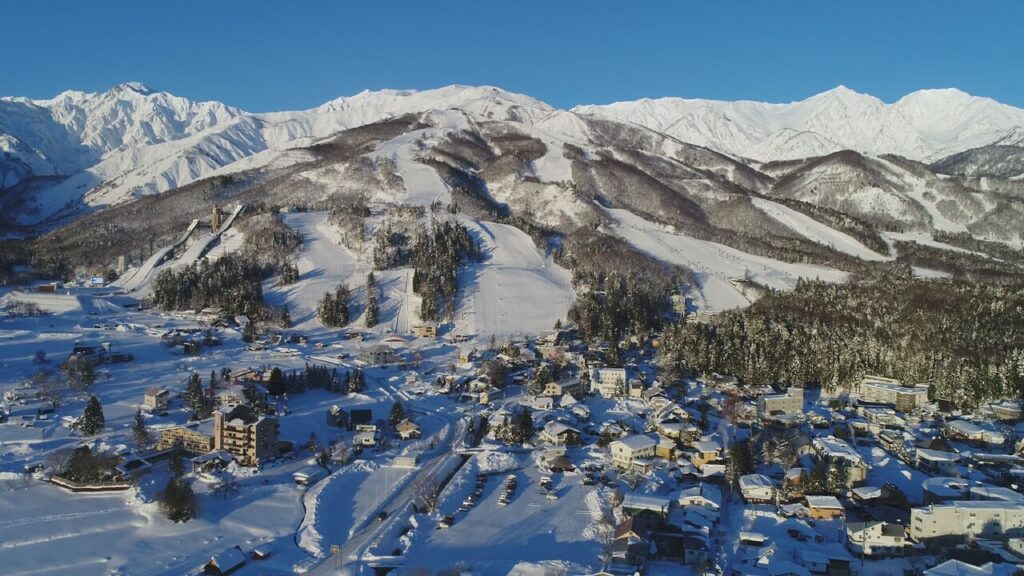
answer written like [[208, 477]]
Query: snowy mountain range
[[718, 192], [79, 151]]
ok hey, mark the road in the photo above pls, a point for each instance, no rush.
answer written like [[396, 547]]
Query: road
[[437, 462]]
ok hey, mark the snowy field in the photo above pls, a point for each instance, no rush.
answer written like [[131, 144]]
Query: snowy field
[[715, 264]]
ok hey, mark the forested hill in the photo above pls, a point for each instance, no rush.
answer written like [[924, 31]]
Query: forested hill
[[966, 339]]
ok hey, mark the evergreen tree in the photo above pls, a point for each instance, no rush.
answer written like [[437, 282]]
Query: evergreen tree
[[92, 420], [176, 465], [196, 399], [397, 414], [540, 380], [276, 384], [80, 372], [333, 308], [357, 383], [139, 432], [178, 501]]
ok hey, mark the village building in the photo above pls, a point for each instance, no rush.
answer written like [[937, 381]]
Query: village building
[[879, 390], [876, 539], [251, 437], [608, 382], [961, 520], [790, 402], [705, 451], [378, 355], [936, 462], [366, 435], [646, 505], [560, 434], [425, 330], [823, 507], [195, 438], [156, 399], [757, 488], [970, 432], [628, 450], [226, 562], [574, 387], [407, 430], [831, 449]]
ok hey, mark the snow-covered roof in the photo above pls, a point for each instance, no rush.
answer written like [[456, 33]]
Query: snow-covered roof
[[707, 446], [936, 455], [836, 448], [830, 502], [996, 493], [751, 481], [636, 442], [643, 502], [959, 568]]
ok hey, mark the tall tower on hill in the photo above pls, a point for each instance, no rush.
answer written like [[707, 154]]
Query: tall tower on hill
[[215, 218]]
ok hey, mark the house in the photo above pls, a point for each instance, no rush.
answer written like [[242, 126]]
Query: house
[[559, 434], [226, 562], [407, 430], [832, 449], [366, 435], [245, 375], [666, 448], [786, 403], [876, 539], [195, 438], [936, 462], [608, 382], [966, 520], [703, 495], [635, 388], [250, 436], [757, 488], [156, 399], [308, 475], [645, 505], [630, 547], [336, 417], [425, 330], [542, 403], [705, 451], [378, 355], [573, 386], [626, 451], [823, 507]]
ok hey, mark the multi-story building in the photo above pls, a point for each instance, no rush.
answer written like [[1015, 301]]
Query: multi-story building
[[786, 403], [833, 449], [251, 437], [608, 382], [876, 538], [573, 386], [880, 390], [967, 519], [196, 438], [626, 451]]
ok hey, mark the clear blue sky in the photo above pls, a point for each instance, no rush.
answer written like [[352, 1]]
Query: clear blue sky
[[276, 55]]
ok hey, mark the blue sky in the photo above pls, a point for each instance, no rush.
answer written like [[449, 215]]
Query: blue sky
[[263, 55]]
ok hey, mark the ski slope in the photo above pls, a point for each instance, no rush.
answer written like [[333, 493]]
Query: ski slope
[[517, 289], [140, 275], [715, 264], [816, 231], [423, 186], [323, 264]]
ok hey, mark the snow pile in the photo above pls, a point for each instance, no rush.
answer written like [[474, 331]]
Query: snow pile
[[494, 462]]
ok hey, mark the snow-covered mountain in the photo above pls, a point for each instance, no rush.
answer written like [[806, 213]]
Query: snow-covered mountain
[[80, 151], [610, 194], [924, 125]]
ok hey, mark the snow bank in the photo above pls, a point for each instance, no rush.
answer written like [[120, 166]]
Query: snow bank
[[493, 462]]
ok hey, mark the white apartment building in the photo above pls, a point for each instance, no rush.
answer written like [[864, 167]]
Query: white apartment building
[[880, 390], [786, 403], [831, 449], [608, 382], [967, 519]]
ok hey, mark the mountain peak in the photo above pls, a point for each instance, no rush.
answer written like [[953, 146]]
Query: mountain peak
[[137, 87]]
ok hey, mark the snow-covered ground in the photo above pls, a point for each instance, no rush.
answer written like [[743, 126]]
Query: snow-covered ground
[[715, 264], [516, 290], [816, 231]]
